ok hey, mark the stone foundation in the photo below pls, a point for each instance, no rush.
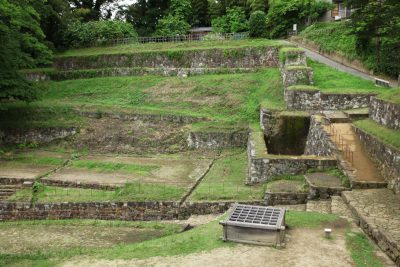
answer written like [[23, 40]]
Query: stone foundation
[[297, 75], [37, 135], [386, 156], [318, 140], [385, 113], [284, 198], [217, 140]]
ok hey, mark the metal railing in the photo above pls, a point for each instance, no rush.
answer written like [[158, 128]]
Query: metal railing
[[339, 140], [172, 39]]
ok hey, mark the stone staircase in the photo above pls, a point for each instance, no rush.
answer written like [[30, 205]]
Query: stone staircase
[[7, 190]]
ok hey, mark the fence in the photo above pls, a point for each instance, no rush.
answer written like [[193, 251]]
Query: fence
[[173, 39], [339, 140]]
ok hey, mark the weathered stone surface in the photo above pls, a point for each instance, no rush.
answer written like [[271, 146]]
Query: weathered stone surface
[[216, 140], [247, 57], [285, 198], [385, 113], [378, 212], [317, 100], [323, 186], [297, 75], [386, 156], [36, 135], [295, 58], [318, 140]]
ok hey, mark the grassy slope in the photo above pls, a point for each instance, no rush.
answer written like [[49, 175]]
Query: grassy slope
[[383, 133], [328, 79], [134, 48], [392, 96]]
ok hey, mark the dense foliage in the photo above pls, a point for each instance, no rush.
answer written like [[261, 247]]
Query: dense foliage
[[284, 13], [258, 24], [80, 34], [22, 46], [234, 21], [171, 26]]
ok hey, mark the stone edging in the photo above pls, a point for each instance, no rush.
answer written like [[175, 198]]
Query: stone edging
[[285, 198], [385, 113]]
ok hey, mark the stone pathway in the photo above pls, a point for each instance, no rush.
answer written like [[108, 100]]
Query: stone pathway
[[378, 211], [365, 169]]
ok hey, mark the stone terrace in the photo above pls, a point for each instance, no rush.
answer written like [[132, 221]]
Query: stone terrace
[[378, 211]]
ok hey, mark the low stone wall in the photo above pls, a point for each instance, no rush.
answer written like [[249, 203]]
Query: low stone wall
[[37, 135], [317, 100], [121, 72], [141, 117], [216, 140], [262, 166], [385, 113], [318, 140], [297, 75], [244, 57], [129, 211], [386, 156], [284, 198]]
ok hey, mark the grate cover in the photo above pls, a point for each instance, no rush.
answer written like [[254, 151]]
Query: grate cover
[[256, 217]]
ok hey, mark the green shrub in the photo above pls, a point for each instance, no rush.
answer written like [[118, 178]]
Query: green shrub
[[284, 13], [172, 25], [233, 21], [258, 24], [85, 34]]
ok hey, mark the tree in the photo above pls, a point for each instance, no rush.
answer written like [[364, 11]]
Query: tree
[[200, 13], [233, 21], [91, 9], [22, 46], [181, 9], [258, 24], [172, 25], [258, 5]]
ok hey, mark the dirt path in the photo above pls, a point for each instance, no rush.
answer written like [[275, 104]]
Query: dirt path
[[305, 247], [366, 169]]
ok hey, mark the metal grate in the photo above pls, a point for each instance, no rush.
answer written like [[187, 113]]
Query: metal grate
[[256, 216]]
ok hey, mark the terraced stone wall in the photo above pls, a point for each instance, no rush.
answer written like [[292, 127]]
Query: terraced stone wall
[[217, 140], [318, 141], [385, 113]]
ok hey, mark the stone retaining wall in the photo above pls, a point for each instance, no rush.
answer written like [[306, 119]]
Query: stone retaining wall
[[284, 198], [386, 156], [245, 57], [317, 100], [37, 135], [121, 72], [129, 211], [217, 140], [318, 140], [297, 75], [385, 113]]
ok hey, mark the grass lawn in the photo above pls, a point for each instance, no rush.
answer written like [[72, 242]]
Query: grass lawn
[[31, 159], [129, 192], [392, 96], [112, 167], [383, 133], [328, 79], [136, 48], [361, 250]]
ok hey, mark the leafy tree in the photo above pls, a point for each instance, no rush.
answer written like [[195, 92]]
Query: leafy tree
[[233, 21], [91, 9], [80, 34], [200, 13], [215, 9], [258, 5], [376, 25], [283, 14], [172, 25], [182, 9], [22, 46], [258, 24]]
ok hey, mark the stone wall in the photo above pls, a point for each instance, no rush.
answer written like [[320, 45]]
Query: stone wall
[[246, 57], [120, 72], [317, 100], [297, 75], [284, 198], [387, 157], [37, 135], [216, 140], [130, 211], [385, 113], [318, 140], [262, 166]]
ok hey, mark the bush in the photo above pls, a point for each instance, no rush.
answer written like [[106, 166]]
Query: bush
[[258, 24], [172, 25], [233, 21], [284, 13], [85, 34]]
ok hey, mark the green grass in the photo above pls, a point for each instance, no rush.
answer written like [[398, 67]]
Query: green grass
[[392, 96], [114, 167], [330, 80], [386, 135], [361, 250], [32, 159], [136, 48], [129, 192], [225, 181], [300, 219]]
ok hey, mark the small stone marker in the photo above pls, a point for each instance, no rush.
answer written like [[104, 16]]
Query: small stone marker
[[382, 83], [328, 232]]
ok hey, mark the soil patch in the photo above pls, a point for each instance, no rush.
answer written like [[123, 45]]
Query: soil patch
[[322, 179]]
